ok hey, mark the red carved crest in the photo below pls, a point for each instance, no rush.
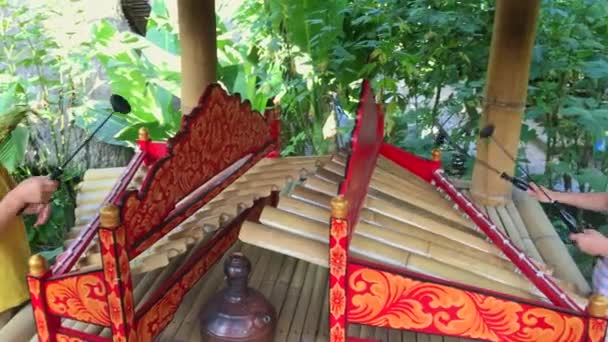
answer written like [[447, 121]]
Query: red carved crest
[[220, 131], [366, 142]]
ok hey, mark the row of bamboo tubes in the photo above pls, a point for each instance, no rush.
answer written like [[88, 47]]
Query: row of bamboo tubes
[[299, 228], [161, 260], [259, 181]]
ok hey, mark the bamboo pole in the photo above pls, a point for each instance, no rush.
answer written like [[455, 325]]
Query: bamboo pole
[[198, 44], [309, 242], [548, 243], [424, 198], [392, 232], [515, 24]]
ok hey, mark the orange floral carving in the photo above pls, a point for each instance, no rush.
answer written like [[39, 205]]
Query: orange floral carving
[[338, 228], [384, 299], [597, 329], [81, 297], [64, 338], [338, 300], [218, 133], [43, 330], [39, 316], [337, 334], [338, 257]]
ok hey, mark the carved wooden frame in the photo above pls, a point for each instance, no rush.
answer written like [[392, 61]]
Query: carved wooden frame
[[371, 294], [219, 141]]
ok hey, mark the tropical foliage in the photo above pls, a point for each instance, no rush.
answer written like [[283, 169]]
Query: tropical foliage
[[426, 58]]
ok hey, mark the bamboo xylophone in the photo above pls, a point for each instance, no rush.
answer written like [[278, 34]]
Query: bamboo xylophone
[[288, 248], [155, 265], [394, 229]]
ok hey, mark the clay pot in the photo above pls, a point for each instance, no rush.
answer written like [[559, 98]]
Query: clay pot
[[238, 312]]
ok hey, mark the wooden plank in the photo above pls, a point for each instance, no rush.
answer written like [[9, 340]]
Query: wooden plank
[[366, 331], [408, 336], [290, 306], [394, 335], [279, 292], [323, 334], [258, 272], [354, 330], [423, 338], [297, 323], [315, 308], [272, 273], [435, 338], [381, 334]]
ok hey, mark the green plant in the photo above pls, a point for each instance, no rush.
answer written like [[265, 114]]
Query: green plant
[[49, 84]]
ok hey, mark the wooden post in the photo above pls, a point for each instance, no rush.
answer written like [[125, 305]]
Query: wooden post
[[505, 95], [117, 275], [338, 255], [198, 46], [47, 325]]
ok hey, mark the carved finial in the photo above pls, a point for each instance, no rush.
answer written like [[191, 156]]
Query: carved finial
[[598, 305], [144, 134], [109, 216], [436, 154], [339, 207], [38, 265]]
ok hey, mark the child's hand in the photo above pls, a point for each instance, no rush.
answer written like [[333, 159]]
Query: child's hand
[[537, 193], [34, 190], [42, 210], [591, 242]]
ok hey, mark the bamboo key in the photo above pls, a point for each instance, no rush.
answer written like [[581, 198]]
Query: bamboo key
[[319, 199], [314, 230], [392, 233], [385, 208], [423, 198], [310, 243]]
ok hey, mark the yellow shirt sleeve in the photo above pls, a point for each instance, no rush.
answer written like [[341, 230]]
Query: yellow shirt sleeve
[[14, 254]]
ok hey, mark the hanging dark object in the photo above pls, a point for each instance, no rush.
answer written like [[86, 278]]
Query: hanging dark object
[[440, 139], [458, 165], [137, 13], [238, 312]]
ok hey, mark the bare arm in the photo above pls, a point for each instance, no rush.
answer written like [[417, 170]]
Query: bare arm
[[33, 194], [587, 200], [10, 206]]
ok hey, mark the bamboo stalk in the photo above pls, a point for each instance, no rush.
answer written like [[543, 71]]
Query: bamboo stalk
[[527, 244], [424, 213], [505, 94], [405, 220], [296, 160], [430, 201], [380, 239], [389, 226], [294, 242], [97, 174], [549, 244]]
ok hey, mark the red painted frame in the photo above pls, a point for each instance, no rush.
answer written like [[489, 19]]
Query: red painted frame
[[221, 134], [373, 294]]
